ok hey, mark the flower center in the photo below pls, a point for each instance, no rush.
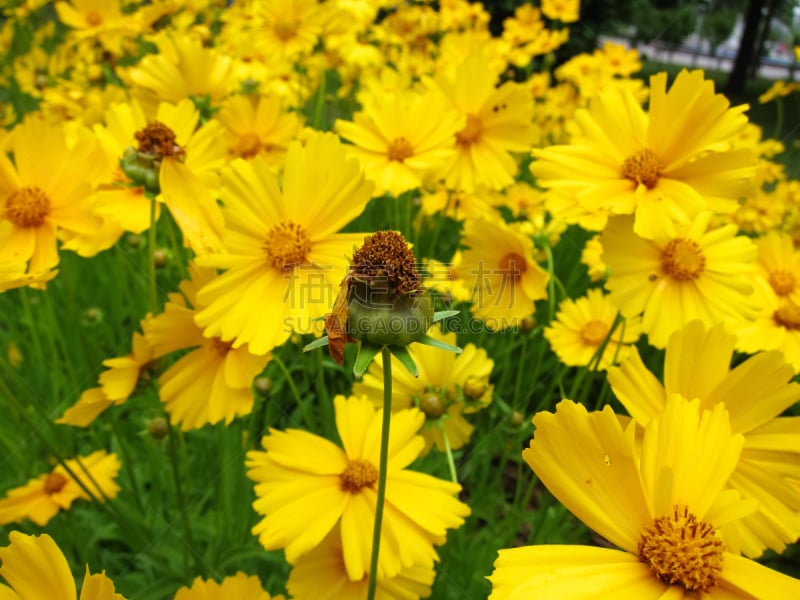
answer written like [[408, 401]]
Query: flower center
[[249, 145], [358, 474], [643, 167], [287, 245], [594, 332], [400, 149], [680, 549], [158, 140], [782, 282], [27, 207], [386, 260], [512, 265], [474, 387], [220, 347], [285, 29], [54, 483], [471, 132], [788, 316], [433, 405], [93, 19], [683, 259]]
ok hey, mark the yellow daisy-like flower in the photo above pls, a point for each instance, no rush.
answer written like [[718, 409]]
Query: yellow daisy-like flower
[[101, 19], [566, 11], [322, 575], [46, 190], [499, 269], [13, 275], [498, 122], [42, 497], [212, 382], [235, 587], [117, 383], [662, 506], [665, 166], [581, 326], [778, 265], [183, 68], [448, 387], [290, 28], [35, 568], [306, 484], [285, 259], [258, 126], [756, 392], [689, 272], [402, 139]]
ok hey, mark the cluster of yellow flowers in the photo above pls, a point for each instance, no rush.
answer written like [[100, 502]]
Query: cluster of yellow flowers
[[262, 129]]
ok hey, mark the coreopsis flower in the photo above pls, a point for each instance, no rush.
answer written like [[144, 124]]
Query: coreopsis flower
[[290, 28], [402, 139], [662, 506], [172, 156], [498, 122], [117, 383], [620, 59], [306, 485], [182, 69], [321, 574], [284, 255], [13, 275], [778, 265], [239, 587], [46, 191], [34, 567], [212, 382], [566, 11], [755, 393], [665, 166], [688, 272], [98, 19], [42, 497], [446, 389], [258, 126], [499, 269], [582, 326]]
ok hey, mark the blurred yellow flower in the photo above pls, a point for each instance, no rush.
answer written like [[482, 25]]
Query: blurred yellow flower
[[35, 568], [235, 587], [566, 11], [42, 497]]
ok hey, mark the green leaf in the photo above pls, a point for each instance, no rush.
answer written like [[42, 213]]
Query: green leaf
[[366, 352], [429, 341], [323, 341], [444, 314], [402, 354]]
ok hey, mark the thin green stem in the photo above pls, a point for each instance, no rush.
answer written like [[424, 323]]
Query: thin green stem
[[386, 357], [182, 508], [151, 255], [320, 100], [449, 453], [290, 382]]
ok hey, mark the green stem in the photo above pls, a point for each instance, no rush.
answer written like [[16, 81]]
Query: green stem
[[151, 255], [320, 100], [182, 507], [518, 382], [386, 357], [290, 382], [325, 404], [449, 453], [778, 119]]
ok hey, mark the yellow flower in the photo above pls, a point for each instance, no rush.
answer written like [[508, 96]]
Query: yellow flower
[[182, 69], [117, 383], [235, 587], [662, 506], [306, 484], [592, 258], [448, 387], [566, 11], [778, 265], [756, 392], [13, 275], [498, 122], [402, 139], [689, 272], [284, 257], [665, 166], [42, 497], [212, 382], [290, 28], [101, 19], [581, 326], [46, 190], [499, 270], [321, 574], [258, 126], [35, 568]]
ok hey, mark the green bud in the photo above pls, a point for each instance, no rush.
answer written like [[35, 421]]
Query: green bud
[[388, 319]]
